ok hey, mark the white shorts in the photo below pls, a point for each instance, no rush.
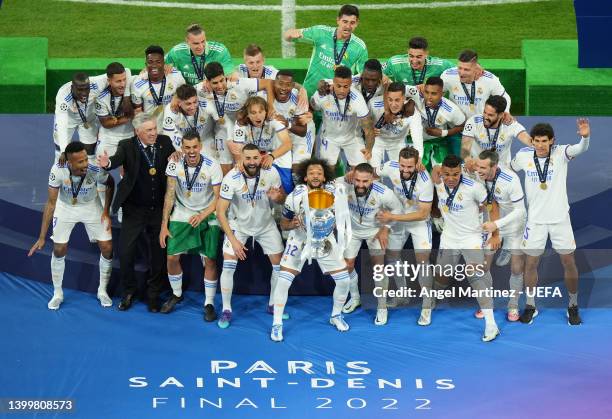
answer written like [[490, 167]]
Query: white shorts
[[510, 242], [330, 150], [302, 148], [419, 232], [561, 236], [292, 258], [218, 150], [108, 144], [86, 135], [269, 239], [63, 223], [379, 150], [353, 247], [451, 257]]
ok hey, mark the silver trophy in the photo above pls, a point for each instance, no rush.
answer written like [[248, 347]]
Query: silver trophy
[[322, 221]]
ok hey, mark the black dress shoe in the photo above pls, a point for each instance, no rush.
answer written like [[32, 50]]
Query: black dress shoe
[[210, 315], [126, 302], [168, 306], [153, 305]]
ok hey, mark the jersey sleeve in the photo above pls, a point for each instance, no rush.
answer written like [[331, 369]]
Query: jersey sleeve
[[136, 98], [390, 201], [101, 108], [226, 61], [227, 188], [55, 178], [171, 57], [275, 180], [387, 68], [312, 34], [427, 193], [240, 134], [470, 129], [178, 78], [518, 162], [456, 116], [247, 86], [361, 60], [278, 126], [61, 133], [169, 124], [216, 174], [172, 169], [480, 193], [360, 109], [446, 79], [516, 191], [412, 92], [416, 132], [516, 128]]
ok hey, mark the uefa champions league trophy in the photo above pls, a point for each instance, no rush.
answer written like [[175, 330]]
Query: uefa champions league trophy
[[322, 221]]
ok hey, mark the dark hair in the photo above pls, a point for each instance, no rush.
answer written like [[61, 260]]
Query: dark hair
[[80, 77], [451, 161], [373, 65], [397, 86], [302, 169], [491, 155], [213, 69], [287, 73], [194, 29], [154, 49], [114, 68], [348, 10], [418, 42], [252, 50], [185, 91], [190, 135], [497, 102], [250, 146], [468, 56], [364, 168], [435, 81], [409, 153], [542, 129], [343, 72], [74, 147]]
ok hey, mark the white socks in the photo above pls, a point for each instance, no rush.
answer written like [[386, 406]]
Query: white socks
[[227, 283], [176, 283], [516, 286], [354, 284], [273, 282], [106, 268], [341, 291], [210, 289], [57, 276], [281, 293]]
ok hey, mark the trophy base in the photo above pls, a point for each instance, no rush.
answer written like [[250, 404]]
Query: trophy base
[[322, 251]]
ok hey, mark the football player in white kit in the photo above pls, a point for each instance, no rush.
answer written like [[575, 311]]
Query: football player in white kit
[[545, 166], [73, 198], [186, 113], [248, 195], [224, 99], [390, 136], [504, 187], [460, 200], [315, 174], [270, 136], [153, 91], [114, 110], [414, 189], [366, 198], [488, 132], [75, 111], [254, 65], [192, 191], [343, 111]]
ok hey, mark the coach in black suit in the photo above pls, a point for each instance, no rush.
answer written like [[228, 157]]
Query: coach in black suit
[[141, 196]]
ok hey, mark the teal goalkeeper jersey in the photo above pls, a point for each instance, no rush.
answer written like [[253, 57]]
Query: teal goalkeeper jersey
[[397, 68], [322, 62], [180, 57]]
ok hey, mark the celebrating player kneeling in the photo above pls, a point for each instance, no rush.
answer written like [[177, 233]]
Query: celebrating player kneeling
[[77, 184]]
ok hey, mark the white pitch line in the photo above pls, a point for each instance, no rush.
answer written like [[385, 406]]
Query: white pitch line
[[267, 8], [287, 22]]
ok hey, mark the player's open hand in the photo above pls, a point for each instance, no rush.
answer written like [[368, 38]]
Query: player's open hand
[[176, 156], [383, 237], [102, 160], [40, 243], [584, 128], [196, 220], [367, 153], [324, 88], [275, 194], [305, 118], [239, 248], [383, 216], [266, 161], [62, 159], [163, 235], [494, 242], [507, 118]]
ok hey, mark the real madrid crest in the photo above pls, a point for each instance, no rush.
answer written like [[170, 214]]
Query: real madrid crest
[[459, 197]]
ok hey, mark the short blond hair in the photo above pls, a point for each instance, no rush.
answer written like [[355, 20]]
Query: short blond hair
[[194, 29]]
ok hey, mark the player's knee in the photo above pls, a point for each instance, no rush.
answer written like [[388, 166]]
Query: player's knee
[[60, 249], [106, 248], [568, 261]]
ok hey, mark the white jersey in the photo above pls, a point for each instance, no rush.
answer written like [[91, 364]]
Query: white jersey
[[67, 116], [462, 218], [237, 93], [487, 139], [264, 137], [487, 85], [177, 124], [269, 72], [191, 201], [290, 110], [448, 116], [294, 206], [423, 186], [87, 197], [397, 131], [141, 94], [108, 105], [550, 205], [250, 206], [338, 127], [363, 210], [508, 193]]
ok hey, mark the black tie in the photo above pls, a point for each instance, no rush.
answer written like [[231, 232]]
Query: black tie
[[149, 151]]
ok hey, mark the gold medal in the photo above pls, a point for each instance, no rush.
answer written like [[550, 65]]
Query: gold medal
[[158, 110], [188, 194], [489, 207], [335, 67], [152, 171], [472, 107], [222, 120], [86, 125], [74, 201], [543, 186], [445, 208], [410, 202]]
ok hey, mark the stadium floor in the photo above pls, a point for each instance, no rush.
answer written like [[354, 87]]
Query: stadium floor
[[89, 354]]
